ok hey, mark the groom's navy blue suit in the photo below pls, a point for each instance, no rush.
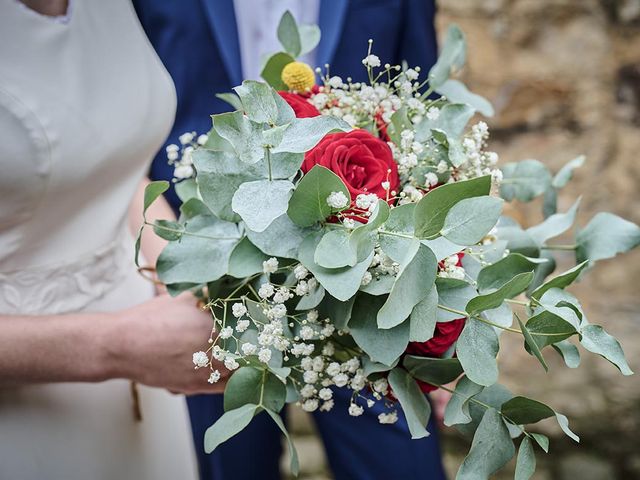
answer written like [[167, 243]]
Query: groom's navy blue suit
[[197, 41]]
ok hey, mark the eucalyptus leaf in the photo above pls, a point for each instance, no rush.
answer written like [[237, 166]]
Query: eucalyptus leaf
[[384, 346], [228, 425], [186, 189], [338, 311], [605, 236], [526, 461], [341, 283], [457, 410], [294, 463], [258, 102], [248, 385], [422, 321], [202, 254], [311, 299], [334, 250], [554, 225], [596, 340], [469, 220], [244, 135], [280, 239], [513, 287], [499, 273], [491, 449], [547, 328], [308, 204], [564, 425], [566, 172], [457, 92], [436, 371], [523, 410], [246, 259], [309, 37], [413, 283], [569, 353], [477, 348], [524, 180], [531, 344], [232, 99], [454, 294], [431, 211], [417, 409], [305, 133], [560, 281], [168, 229], [262, 201], [452, 56], [272, 71], [288, 34]]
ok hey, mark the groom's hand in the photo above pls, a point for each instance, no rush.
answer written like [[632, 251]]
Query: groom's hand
[[153, 343]]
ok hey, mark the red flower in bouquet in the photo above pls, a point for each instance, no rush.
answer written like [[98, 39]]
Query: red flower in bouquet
[[360, 159], [445, 335], [300, 105]]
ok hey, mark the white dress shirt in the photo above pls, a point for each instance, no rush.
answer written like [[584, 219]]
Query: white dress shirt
[[257, 22]]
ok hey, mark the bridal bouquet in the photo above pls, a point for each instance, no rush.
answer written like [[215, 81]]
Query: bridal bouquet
[[352, 235]]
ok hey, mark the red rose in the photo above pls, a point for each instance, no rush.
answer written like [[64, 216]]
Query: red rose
[[301, 106], [360, 159], [445, 335]]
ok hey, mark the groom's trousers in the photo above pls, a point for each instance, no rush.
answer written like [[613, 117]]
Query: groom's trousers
[[357, 448]]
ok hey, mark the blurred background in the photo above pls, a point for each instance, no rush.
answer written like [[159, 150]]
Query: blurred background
[[564, 76]]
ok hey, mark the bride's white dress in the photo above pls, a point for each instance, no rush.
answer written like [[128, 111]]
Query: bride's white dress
[[84, 105]]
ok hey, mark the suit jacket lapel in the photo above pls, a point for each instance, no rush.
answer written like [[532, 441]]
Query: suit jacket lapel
[[222, 20], [331, 19]]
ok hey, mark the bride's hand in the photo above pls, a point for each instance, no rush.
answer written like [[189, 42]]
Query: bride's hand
[[153, 344]]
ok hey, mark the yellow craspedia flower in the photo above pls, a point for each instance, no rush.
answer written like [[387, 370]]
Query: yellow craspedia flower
[[298, 76]]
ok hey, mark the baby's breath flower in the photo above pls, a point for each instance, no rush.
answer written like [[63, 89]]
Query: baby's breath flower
[[200, 359], [249, 348], [327, 405], [264, 355], [242, 325], [431, 179], [325, 393], [214, 377], [270, 266], [371, 61], [238, 309], [355, 410], [266, 290], [366, 279], [186, 138], [388, 418], [306, 333], [226, 332], [230, 363], [337, 200], [300, 272], [310, 405]]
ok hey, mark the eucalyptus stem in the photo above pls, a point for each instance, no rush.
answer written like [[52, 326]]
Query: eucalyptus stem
[[267, 155], [191, 234], [508, 329], [396, 234], [559, 247]]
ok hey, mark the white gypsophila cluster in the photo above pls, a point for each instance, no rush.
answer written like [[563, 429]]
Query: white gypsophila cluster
[[381, 265], [181, 156], [200, 359], [270, 265], [478, 161], [450, 269], [337, 200]]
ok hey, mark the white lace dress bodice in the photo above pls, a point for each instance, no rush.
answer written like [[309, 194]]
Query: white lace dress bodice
[[84, 105]]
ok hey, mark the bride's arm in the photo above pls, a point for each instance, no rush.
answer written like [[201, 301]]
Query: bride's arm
[[151, 244], [151, 343]]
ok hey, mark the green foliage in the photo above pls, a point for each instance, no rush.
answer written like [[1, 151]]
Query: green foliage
[[288, 34], [202, 254], [431, 211], [513, 287], [457, 92], [260, 202], [477, 349], [281, 238], [526, 460], [341, 283], [294, 464], [605, 236], [229, 424], [308, 204], [246, 259], [304, 133], [414, 403], [244, 135], [471, 219], [499, 273], [436, 371], [596, 340], [521, 410], [452, 57], [560, 281], [524, 180], [457, 410], [490, 450], [272, 71], [554, 225], [251, 385], [382, 345], [151, 192], [413, 283], [422, 321]]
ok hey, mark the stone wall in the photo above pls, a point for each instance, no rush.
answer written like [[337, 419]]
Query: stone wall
[[564, 76]]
